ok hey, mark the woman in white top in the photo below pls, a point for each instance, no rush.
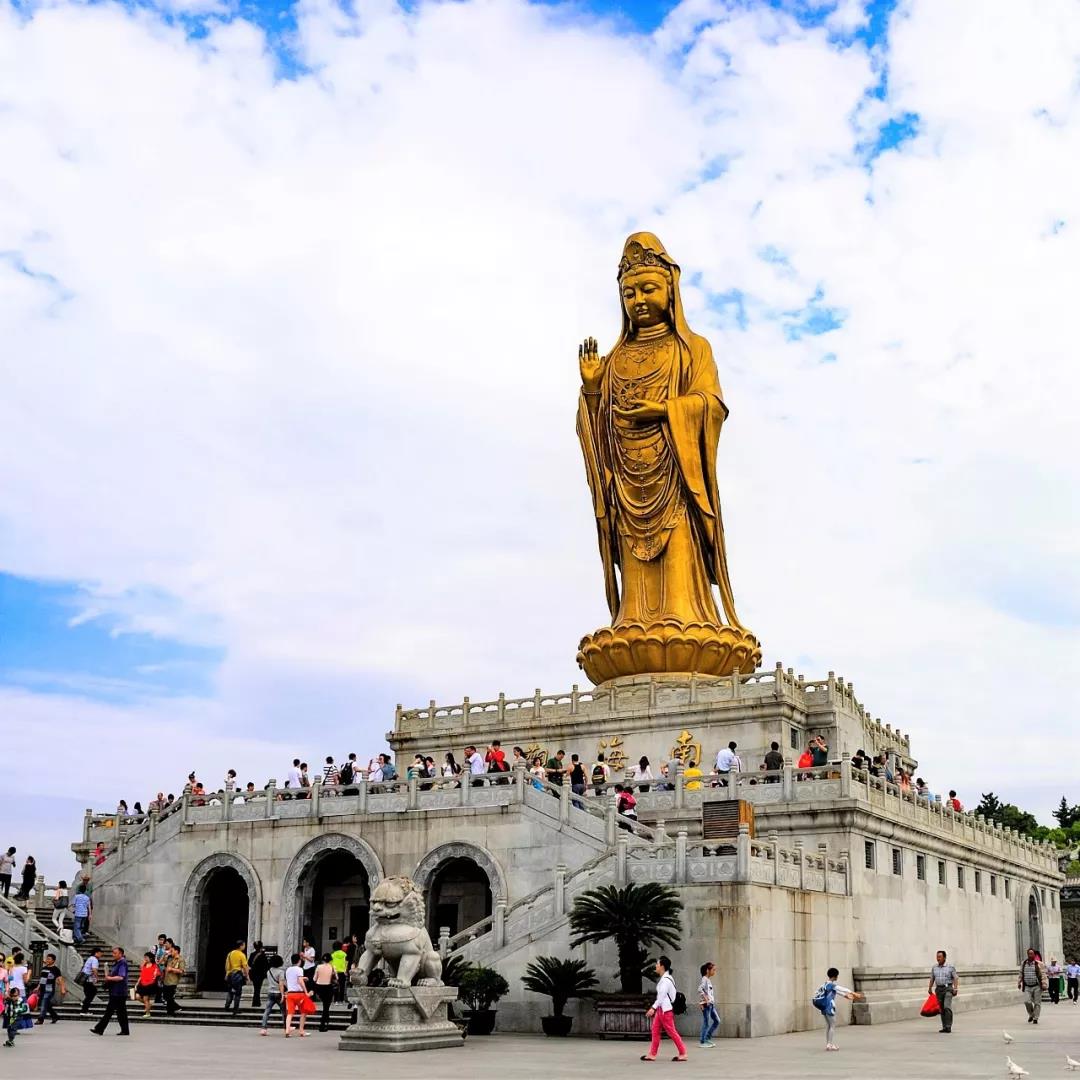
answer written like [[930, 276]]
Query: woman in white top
[[17, 975], [661, 1014], [643, 774], [60, 905]]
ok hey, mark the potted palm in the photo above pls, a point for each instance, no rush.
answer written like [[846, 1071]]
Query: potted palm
[[560, 980], [637, 917], [480, 988]]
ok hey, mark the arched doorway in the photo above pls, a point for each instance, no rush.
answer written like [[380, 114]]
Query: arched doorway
[[334, 899], [326, 891], [223, 921], [1034, 924], [458, 896], [222, 904]]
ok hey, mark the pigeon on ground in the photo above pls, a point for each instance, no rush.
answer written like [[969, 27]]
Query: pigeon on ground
[[1014, 1069], [1006, 1036], [1071, 1063]]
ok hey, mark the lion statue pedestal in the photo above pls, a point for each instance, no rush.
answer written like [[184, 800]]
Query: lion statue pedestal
[[398, 1015]]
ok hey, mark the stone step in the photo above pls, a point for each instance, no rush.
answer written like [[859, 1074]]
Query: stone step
[[205, 1016]]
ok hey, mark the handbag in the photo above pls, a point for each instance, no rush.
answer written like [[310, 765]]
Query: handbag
[[308, 1006], [930, 1006], [80, 979]]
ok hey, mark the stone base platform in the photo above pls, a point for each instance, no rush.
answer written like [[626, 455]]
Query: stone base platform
[[399, 1019]]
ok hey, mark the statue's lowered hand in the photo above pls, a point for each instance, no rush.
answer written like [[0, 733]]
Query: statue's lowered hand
[[642, 410]]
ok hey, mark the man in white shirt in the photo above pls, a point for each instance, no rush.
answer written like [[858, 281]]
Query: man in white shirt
[[293, 781], [727, 762], [90, 979], [661, 1014], [1053, 977], [477, 766]]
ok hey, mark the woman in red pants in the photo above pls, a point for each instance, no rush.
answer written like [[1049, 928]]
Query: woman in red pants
[[662, 1013]]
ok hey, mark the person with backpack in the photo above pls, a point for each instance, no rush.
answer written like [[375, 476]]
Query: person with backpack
[[662, 1013], [825, 1001], [347, 775], [625, 806], [601, 774]]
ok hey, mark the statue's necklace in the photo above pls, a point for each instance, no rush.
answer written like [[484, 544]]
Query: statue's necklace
[[638, 350]]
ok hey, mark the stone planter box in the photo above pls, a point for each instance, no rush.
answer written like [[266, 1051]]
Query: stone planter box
[[623, 1016]]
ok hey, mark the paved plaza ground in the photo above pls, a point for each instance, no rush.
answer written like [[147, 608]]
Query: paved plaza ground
[[912, 1050]]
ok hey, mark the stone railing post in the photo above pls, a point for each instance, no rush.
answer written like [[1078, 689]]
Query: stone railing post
[[799, 854], [412, 798], [519, 782], [466, 785], [620, 859], [362, 797], [86, 825], [498, 922], [660, 828], [575, 699], [185, 806], [120, 845], [787, 782], [564, 802], [444, 941], [151, 828], [680, 786], [742, 853], [823, 855], [680, 857], [845, 775], [845, 867], [316, 792], [774, 845], [226, 804], [609, 824], [558, 890], [271, 797], [39, 892]]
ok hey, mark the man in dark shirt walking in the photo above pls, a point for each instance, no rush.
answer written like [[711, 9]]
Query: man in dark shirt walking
[[117, 983], [51, 980], [774, 762]]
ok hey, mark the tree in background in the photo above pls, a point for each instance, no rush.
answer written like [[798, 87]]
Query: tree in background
[[1067, 816]]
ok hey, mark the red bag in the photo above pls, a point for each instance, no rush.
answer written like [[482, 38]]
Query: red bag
[[32, 1001], [930, 1006], [308, 1006]]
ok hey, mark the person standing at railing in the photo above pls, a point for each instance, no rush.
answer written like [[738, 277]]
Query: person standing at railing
[[728, 762], [538, 773], [7, 868], [477, 767], [556, 768], [692, 774], [577, 776], [643, 775], [601, 775], [774, 762], [29, 876], [819, 752]]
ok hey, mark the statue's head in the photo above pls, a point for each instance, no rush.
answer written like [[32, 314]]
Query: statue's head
[[646, 281], [397, 900]]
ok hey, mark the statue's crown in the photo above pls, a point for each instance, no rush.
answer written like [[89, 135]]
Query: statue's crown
[[636, 257]]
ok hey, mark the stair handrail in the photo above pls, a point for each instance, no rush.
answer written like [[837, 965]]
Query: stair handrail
[[65, 952]]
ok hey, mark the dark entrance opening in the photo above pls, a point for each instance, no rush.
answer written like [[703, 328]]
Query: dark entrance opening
[[1034, 929], [458, 897], [223, 921], [334, 894]]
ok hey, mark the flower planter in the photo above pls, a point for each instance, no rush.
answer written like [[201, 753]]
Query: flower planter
[[480, 1021], [556, 1025], [623, 1016]]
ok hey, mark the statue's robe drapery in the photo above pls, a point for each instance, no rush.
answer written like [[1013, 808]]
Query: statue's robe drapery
[[672, 580]]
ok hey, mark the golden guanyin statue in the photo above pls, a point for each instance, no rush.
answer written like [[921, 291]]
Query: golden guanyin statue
[[649, 418]]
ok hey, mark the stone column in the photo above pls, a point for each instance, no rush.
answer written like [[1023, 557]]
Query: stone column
[[558, 888], [742, 853], [316, 792], [519, 782], [151, 828], [660, 829], [620, 860], [498, 922], [466, 784], [444, 941], [185, 806], [564, 801], [412, 796], [361, 797], [787, 782], [680, 786], [680, 857], [87, 815], [609, 823], [271, 797], [845, 775], [226, 804]]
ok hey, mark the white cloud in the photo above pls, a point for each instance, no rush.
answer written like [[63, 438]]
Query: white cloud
[[305, 355]]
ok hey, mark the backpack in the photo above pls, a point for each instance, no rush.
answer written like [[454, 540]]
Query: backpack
[[822, 999], [678, 1006], [346, 774], [598, 773]]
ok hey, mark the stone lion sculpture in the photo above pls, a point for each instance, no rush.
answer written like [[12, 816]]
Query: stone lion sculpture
[[398, 940]]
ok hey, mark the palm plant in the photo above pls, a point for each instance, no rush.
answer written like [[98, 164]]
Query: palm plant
[[453, 967], [560, 980], [636, 916]]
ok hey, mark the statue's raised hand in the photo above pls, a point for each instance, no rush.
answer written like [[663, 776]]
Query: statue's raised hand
[[591, 364]]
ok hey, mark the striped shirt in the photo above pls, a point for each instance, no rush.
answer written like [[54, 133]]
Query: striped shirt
[[943, 974]]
